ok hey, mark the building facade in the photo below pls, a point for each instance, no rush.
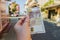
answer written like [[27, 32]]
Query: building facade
[[53, 12]]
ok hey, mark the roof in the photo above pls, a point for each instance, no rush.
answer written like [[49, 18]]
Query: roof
[[52, 5]]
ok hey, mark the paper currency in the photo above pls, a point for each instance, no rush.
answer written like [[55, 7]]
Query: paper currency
[[36, 21]]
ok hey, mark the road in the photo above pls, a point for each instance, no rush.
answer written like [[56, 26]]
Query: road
[[52, 32]]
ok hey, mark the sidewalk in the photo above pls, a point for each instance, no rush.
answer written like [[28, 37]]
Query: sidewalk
[[52, 21], [49, 20]]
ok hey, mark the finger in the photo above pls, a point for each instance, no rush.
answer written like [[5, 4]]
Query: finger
[[27, 20], [20, 21], [23, 21]]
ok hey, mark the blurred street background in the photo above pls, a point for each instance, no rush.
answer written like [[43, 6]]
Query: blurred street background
[[50, 10]]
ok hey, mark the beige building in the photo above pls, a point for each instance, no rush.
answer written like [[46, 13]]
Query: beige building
[[53, 11], [30, 4]]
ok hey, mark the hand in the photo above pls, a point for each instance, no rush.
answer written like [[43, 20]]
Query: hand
[[22, 29]]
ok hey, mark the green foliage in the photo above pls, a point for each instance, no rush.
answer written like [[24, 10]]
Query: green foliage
[[13, 7], [49, 3], [8, 0], [42, 9], [46, 4]]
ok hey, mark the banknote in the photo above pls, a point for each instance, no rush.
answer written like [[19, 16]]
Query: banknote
[[36, 21]]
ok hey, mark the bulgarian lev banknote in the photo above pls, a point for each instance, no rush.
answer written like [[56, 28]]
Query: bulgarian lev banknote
[[36, 21]]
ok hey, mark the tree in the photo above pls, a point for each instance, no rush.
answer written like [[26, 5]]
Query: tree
[[49, 3]]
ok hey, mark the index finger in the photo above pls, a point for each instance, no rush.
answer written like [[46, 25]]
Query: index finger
[[20, 21]]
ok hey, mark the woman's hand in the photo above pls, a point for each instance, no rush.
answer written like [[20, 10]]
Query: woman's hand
[[22, 29]]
